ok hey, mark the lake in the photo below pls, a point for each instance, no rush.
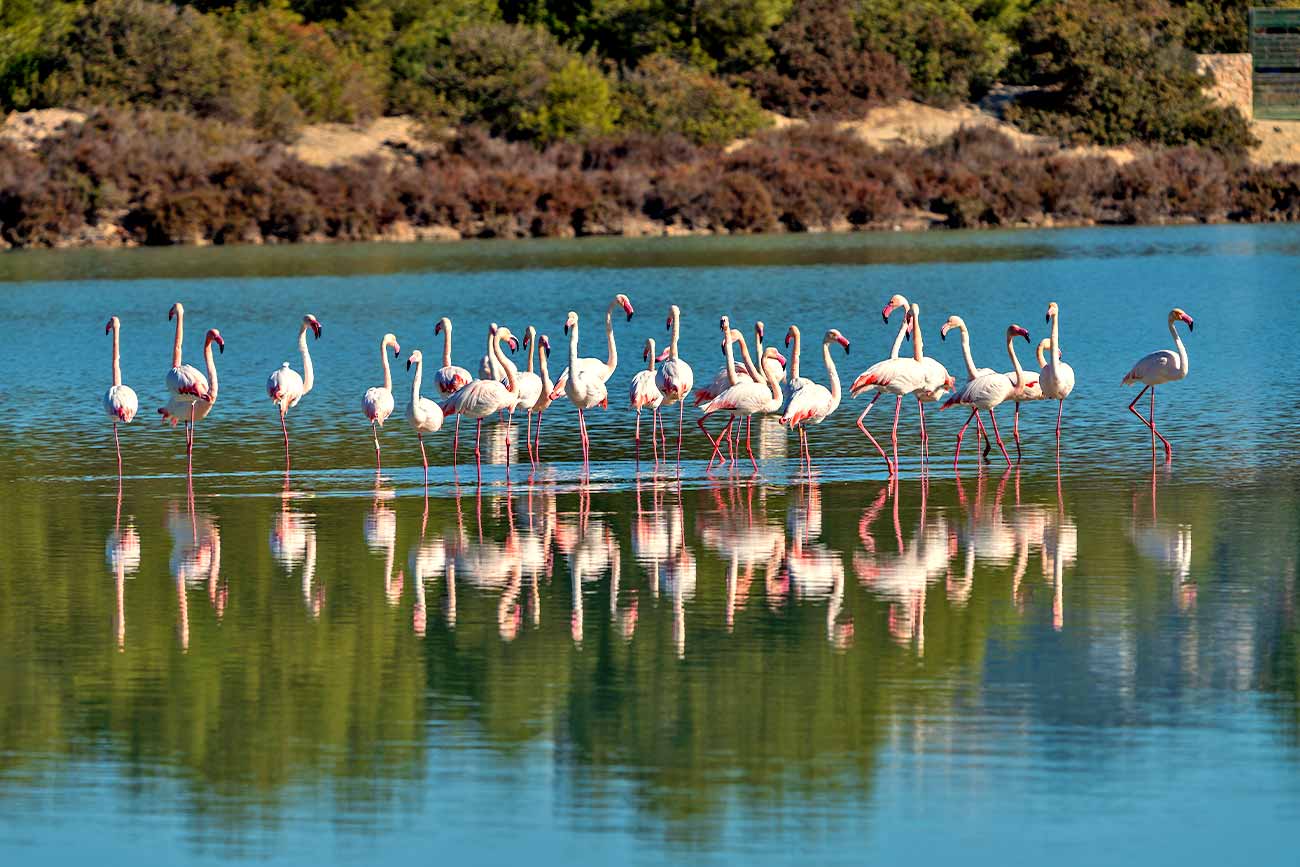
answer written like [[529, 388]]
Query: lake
[[1084, 658]]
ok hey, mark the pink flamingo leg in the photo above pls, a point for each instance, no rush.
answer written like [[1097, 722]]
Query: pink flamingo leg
[[961, 433], [663, 433], [1132, 407], [681, 418], [1015, 431], [999, 437], [423, 457], [898, 408], [478, 454], [285, 430], [864, 430], [637, 436], [455, 442], [749, 446], [700, 423], [510, 427], [537, 441], [582, 432], [654, 443], [979, 429], [1060, 409], [117, 443], [731, 443], [528, 438], [925, 439]]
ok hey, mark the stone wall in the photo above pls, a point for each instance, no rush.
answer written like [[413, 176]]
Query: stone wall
[[1232, 80]]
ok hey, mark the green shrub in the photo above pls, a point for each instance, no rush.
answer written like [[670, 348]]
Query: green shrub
[[661, 96], [576, 103], [29, 34], [133, 52], [1115, 72]]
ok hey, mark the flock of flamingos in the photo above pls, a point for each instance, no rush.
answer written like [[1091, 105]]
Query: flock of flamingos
[[737, 391]]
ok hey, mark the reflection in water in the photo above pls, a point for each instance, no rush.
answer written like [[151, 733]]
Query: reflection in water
[[380, 531], [195, 562], [293, 544], [122, 552], [1165, 542]]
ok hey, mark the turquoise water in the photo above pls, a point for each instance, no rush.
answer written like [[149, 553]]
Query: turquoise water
[[1080, 660]]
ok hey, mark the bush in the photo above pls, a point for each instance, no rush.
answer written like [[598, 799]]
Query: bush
[[663, 97], [576, 103], [1116, 72], [821, 67], [29, 35], [133, 52]]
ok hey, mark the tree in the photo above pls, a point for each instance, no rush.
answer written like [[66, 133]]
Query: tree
[[662, 96]]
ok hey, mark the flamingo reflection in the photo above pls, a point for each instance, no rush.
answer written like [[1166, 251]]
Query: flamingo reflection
[[195, 562], [122, 553], [815, 571], [380, 531], [747, 542], [293, 544]]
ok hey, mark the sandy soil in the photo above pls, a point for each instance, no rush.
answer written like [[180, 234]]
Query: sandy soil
[[328, 144]]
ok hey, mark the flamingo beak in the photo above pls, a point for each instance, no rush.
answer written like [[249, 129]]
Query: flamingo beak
[[513, 344], [526, 339], [722, 323], [943, 332], [663, 356], [761, 332], [437, 329], [221, 344], [1047, 318], [843, 341], [669, 326], [787, 340], [171, 313], [566, 328], [1020, 332], [315, 327], [780, 358], [884, 314], [1191, 325], [108, 327], [628, 309], [408, 364], [397, 351], [545, 343]]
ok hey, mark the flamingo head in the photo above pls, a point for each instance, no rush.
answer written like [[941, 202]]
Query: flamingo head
[[505, 334], [545, 343], [773, 352], [112, 323], [649, 349], [214, 336], [725, 324], [176, 311], [791, 333], [949, 383], [1017, 331], [759, 330], [834, 334], [444, 321], [1179, 314], [622, 301], [390, 339], [895, 302], [571, 321], [414, 358], [663, 356], [953, 322], [674, 312], [1052, 310], [313, 323]]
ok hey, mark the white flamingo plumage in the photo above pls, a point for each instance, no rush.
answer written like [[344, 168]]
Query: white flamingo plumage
[[722, 380], [184, 408], [184, 380], [1157, 368], [120, 402], [602, 370], [746, 397], [893, 376], [484, 397], [644, 393], [285, 387], [530, 388], [811, 402], [675, 377], [1056, 378], [423, 415], [585, 388], [936, 379], [545, 398], [450, 378], [1032, 391], [987, 392], [377, 402]]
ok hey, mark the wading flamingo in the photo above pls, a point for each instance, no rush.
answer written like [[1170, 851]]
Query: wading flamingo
[[584, 387], [285, 387], [1155, 369], [893, 376], [988, 391], [1056, 379], [544, 400], [182, 409], [184, 381], [642, 392], [603, 370], [450, 378], [483, 397], [120, 402], [675, 377], [722, 379], [1032, 391], [377, 403], [424, 415], [811, 402], [530, 389], [746, 398], [935, 380]]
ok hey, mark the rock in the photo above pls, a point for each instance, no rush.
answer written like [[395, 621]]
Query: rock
[[26, 129]]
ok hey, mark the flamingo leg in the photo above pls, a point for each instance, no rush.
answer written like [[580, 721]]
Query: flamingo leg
[[654, 443], [423, 457], [1015, 431], [712, 442], [537, 440], [285, 430], [898, 408], [925, 439], [749, 445], [510, 428], [1132, 407], [455, 442], [731, 440], [189, 444], [979, 428], [994, 418], [637, 436], [528, 438], [582, 432], [1059, 410], [961, 433], [118, 445], [374, 430], [663, 434], [478, 455], [681, 417], [864, 430]]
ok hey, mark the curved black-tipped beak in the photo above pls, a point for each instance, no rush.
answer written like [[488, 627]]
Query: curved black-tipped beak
[[669, 326], [513, 344], [884, 317], [316, 329], [221, 347], [1025, 334], [171, 312], [397, 352], [943, 335], [1191, 326], [722, 323], [1047, 318], [108, 327], [846, 347], [787, 340], [437, 329], [566, 328], [629, 315], [408, 364]]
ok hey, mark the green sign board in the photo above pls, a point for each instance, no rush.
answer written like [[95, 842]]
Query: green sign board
[[1275, 63]]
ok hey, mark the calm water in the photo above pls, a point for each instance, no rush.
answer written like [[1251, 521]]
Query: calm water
[[1085, 660]]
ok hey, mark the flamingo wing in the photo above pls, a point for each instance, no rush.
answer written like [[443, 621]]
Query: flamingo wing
[[528, 388], [1154, 368], [479, 399], [120, 403], [643, 392], [674, 380], [377, 403], [187, 381], [285, 386], [451, 379], [425, 416], [809, 402], [743, 398]]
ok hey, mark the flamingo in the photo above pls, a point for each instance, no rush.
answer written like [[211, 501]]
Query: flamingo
[[1056, 378], [544, 400], [377, 403], [642, 393], [584, 387], [603, 370], [936, 380], [120, 402], [988, 391], [285, 387], [1032, 391], [811, 402], [1151, 370], [483, 397], [745, 398], [675, 377], [722, 379], [450, 378], [422, 414], [184, 381], [182, 409], [893, 376], [530, 389]]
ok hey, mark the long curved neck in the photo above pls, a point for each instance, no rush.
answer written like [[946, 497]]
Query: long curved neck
[[650, 363], [532, 351], [731, 359], [573, 350], [898, 339], [773, 384], [1039, 353], [308, 376], [1056, 348], [506, 365], [211, 363], [1015, 362], [547, 385], [415, 384], [176, 345], [965, 350], [1178, 342], [794, 362], [117, 365], [677, 328], [609, 336], [383, 359], [749, 362], [831, 371], [917, 347], [446, 342]]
